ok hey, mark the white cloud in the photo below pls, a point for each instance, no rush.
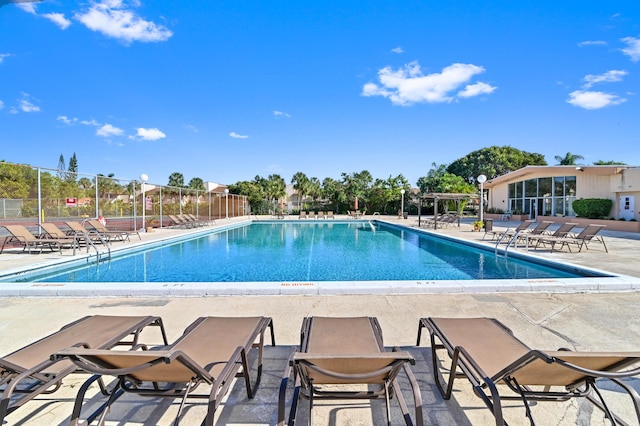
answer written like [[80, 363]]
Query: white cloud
[[91, 122], [58, 19], [150, 134], [4, 55], [108, 130], [476, 89], [25, 104], [408, 85], [592, 43], [114, 19], [593, 100], [608, 77], [281, 114], [67, 120], [194, 129], [26, 6], [397, 50], [633, 48], [237, 136], [1, 104]]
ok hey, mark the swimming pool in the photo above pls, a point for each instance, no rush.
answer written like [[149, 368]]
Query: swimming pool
[[308, 252]]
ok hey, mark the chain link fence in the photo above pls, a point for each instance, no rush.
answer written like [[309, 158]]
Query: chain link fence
[[33, 195]]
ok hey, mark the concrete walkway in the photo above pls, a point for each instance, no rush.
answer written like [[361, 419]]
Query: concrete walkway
[[590, 322]]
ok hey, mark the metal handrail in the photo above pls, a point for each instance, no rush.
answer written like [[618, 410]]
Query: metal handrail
[[513, 239], [90, 243]]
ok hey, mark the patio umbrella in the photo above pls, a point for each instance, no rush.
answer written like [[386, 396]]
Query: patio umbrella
[[355, 204]]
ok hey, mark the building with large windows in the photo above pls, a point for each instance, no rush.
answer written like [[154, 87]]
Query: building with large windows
[[551, 190]]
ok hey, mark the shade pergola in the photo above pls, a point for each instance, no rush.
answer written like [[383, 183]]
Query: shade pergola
[[445, 196]]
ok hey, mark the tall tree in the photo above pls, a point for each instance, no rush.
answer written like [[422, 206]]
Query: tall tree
[[176, 179], [197, 183], [494, 161], [276, 187], [569, 159], [62, 167], [357, 185], [73, 169], [252, 190], [300, 183], [314, 188]]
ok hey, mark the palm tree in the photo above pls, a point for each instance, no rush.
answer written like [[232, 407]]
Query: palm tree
[[275, 187], [300, 183], [569, 159]]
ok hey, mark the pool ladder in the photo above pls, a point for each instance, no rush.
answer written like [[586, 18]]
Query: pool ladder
[[91, 244], [513, 239]]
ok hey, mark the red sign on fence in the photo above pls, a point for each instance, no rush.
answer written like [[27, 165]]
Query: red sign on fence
[[72, 202], [148, 203]]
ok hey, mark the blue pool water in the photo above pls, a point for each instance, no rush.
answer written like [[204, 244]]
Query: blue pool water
[[315, 251]]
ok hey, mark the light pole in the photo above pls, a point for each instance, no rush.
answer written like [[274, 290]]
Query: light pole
[[402, 203], [226, 199], [482, 179], [143, 178]]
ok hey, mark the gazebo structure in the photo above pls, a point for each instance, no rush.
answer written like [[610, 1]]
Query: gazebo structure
[[444, 196]]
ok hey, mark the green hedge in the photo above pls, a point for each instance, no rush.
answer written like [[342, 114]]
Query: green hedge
[[593, 208]]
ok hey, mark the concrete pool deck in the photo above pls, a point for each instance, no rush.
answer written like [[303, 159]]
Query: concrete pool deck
[[546, 320]]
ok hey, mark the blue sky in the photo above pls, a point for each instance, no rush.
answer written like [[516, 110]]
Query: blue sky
[[227, 90]]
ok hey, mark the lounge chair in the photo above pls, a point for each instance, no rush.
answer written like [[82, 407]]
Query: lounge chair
[[192, 220], [498, 234], [303, 215], [321, 215], [488, 354], [19, 234], [29, 372], [212, 350], [203, 222], [180, 222], [51, 230], [583, 239], [330, 215], [78, 228], [338, 353], [539, 229], [111, 233], [562, 231]]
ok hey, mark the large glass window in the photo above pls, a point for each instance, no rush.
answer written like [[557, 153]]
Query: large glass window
[[531, 188], [553, 195], [570, 186], [544, 187], [558, 186]]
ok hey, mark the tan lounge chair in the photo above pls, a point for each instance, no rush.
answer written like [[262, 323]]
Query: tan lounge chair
[[78, 228], [498, 234], [562, 231], [51, 230], [29, 372], [303, 215], [18, 234], [330, 215], [525, 235], [116, 234], [203, 222], [180, 222], [191, 220], [212, 350], [338, 353], [488, 354], [583, 239]]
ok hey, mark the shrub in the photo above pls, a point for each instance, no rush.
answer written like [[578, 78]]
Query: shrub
[[592, 208], [494, 210]]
